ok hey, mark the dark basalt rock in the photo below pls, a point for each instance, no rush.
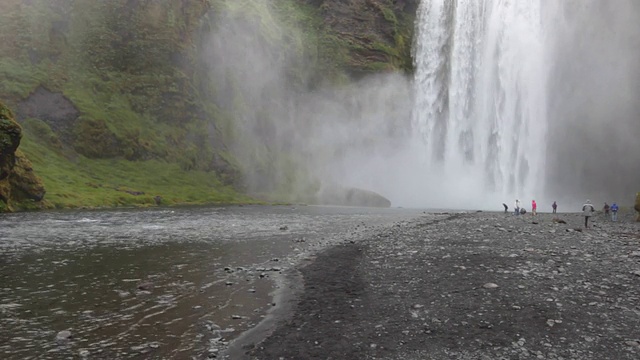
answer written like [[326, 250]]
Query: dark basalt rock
[[54, 109], [343, 196]]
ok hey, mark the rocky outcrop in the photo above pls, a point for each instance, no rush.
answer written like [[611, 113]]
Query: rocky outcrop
[[10, 134], [19, 186], [53, 108], [25, 184]]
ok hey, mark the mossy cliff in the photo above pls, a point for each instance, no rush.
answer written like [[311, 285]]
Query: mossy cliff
[[368, 36], [116, 107], [20, 188]]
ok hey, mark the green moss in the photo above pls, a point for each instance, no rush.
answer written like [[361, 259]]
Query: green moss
[[388, 14], [42, 132], [389, 50], [106, 182], [94, 139], [18, 80], [377, 66]]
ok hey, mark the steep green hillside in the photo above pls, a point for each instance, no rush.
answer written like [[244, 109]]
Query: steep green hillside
[[119, 105]]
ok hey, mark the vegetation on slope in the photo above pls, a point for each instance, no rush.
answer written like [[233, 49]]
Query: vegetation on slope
[[116, 105]]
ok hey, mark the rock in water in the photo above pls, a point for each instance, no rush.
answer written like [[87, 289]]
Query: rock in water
[[64, 335], [146, 286], [490, 286]]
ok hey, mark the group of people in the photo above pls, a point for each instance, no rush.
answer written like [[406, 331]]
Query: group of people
[[587, 210], [518, 210], [613, 209]]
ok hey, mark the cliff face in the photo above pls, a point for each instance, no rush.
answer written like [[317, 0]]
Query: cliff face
[[19, 187], [124, 80], [372, 35]]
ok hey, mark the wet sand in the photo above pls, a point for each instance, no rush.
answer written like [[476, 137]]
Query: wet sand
[[465, 286]]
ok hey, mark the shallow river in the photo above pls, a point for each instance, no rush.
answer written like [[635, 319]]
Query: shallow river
[[155, 283]]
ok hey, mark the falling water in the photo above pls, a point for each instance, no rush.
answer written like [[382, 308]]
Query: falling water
[[481, 107]]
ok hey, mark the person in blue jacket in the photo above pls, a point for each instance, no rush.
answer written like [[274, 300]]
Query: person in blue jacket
[[614, 212]]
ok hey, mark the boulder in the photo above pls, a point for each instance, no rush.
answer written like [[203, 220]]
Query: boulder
[[25, 184], [349, 196]]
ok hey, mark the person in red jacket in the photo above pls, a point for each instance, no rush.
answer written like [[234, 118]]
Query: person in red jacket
[[534, 207]]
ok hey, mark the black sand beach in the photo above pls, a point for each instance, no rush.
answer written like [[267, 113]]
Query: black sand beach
[[465, 286]]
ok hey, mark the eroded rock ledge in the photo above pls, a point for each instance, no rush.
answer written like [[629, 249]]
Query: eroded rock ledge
[[19, 186]]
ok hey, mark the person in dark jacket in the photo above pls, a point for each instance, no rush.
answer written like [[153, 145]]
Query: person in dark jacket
[[554, 206]]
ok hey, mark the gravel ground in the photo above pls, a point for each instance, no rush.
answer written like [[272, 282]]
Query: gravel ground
[[466, 286]]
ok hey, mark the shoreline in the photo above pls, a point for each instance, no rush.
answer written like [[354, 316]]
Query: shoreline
[[332, 309], [289, 287]]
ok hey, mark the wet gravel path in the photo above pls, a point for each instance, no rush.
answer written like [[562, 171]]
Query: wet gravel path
[[469, 286]]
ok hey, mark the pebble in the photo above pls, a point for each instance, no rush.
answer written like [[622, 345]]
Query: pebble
[[64, 335]]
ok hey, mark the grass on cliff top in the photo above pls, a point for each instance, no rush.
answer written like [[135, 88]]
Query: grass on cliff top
[[106, 183]]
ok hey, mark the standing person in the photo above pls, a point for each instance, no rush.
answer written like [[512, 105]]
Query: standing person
[[506, 208], [534, 207], [517, 210], [587, 211], [614, 212], [606, 209], [554, 206]]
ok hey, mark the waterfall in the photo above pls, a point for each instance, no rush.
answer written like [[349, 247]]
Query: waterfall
[[480, 108]]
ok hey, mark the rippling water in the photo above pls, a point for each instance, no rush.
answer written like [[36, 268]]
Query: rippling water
[[161, 283]]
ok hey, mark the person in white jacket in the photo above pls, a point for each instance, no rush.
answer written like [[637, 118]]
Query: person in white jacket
[[517, 210], [587, 211]]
